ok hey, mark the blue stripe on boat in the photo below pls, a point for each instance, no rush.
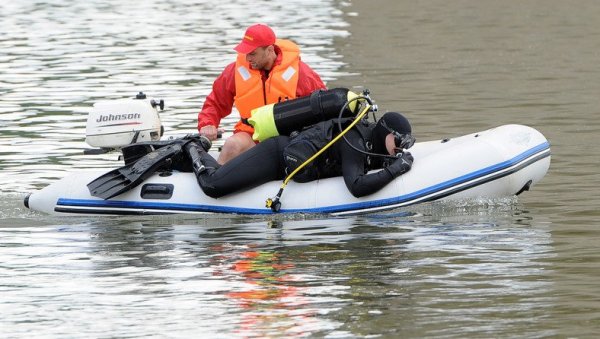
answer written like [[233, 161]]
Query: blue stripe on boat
[[427, 194]]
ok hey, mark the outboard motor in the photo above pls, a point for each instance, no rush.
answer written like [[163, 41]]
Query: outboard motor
[[114, 124]]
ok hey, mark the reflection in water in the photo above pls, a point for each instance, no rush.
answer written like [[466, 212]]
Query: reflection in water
[[265, 273], [453, 272], [432, 271], [271, 304]]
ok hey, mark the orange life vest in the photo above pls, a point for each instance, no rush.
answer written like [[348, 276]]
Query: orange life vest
[[251, 92]]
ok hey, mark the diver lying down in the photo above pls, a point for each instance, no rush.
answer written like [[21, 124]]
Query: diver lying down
[[368, 146]]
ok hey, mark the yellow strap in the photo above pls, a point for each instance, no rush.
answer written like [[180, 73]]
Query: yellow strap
[[263, 122]]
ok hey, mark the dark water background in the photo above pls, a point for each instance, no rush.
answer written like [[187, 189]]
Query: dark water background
[[525, 267]]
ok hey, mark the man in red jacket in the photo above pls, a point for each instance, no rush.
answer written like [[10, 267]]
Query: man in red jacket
[[267, 70]]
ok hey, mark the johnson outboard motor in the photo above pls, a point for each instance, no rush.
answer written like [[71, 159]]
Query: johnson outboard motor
[[114, 124]]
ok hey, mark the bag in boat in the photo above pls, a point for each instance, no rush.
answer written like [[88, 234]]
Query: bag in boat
[[308, 142]]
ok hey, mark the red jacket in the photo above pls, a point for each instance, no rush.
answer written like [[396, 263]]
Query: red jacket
[[219, 102]]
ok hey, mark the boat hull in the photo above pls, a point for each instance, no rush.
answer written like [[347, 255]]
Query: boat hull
[[499, 162]]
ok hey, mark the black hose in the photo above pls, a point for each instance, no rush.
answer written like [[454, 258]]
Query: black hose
[[348, 141]]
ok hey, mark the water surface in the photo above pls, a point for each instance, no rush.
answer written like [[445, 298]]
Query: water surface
[[515, 267]]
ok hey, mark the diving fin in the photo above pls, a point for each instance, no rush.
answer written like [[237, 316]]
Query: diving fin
[[133, 152], [129, 176]]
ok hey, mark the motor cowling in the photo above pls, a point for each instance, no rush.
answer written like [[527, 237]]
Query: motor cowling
[[117, 123]]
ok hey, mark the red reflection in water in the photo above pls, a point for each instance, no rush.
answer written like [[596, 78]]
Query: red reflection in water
[[266, 271], [271, 304]]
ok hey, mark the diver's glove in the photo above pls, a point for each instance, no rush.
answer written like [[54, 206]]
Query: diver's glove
[[200, 139], [401, 165]]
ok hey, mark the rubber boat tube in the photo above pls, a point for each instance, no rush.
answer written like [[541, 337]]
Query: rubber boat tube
[[498, 162]]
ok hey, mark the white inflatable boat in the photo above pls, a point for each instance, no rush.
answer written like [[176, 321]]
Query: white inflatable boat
[[499, 162]]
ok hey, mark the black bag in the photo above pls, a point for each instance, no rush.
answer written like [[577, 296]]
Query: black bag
[[306, 144]]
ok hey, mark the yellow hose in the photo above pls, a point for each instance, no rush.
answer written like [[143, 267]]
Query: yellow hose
[[270, 201]]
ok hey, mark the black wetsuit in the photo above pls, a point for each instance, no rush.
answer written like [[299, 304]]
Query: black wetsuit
[[264, 162], [260, 164]]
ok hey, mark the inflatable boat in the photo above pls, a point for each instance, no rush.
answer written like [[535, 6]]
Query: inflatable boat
[[498, 162]]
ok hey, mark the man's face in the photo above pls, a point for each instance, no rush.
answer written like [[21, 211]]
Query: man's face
[[258, 58]]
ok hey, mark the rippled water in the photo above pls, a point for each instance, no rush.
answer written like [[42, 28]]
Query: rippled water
[[525, 267], [445, 272], [60, 57]]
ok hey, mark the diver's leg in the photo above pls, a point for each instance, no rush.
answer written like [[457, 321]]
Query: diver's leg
[[258, 165]]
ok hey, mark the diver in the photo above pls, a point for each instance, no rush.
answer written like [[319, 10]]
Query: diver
[[368, 147]]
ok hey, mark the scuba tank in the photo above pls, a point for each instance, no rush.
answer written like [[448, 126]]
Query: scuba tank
[[285, 117]]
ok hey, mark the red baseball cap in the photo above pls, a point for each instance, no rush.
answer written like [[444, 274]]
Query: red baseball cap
[[258, 35]]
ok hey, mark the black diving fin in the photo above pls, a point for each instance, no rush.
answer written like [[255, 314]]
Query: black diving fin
[[129, 176], [133, 152]]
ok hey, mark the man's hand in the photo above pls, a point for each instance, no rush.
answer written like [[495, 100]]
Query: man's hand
[[209, 131]]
